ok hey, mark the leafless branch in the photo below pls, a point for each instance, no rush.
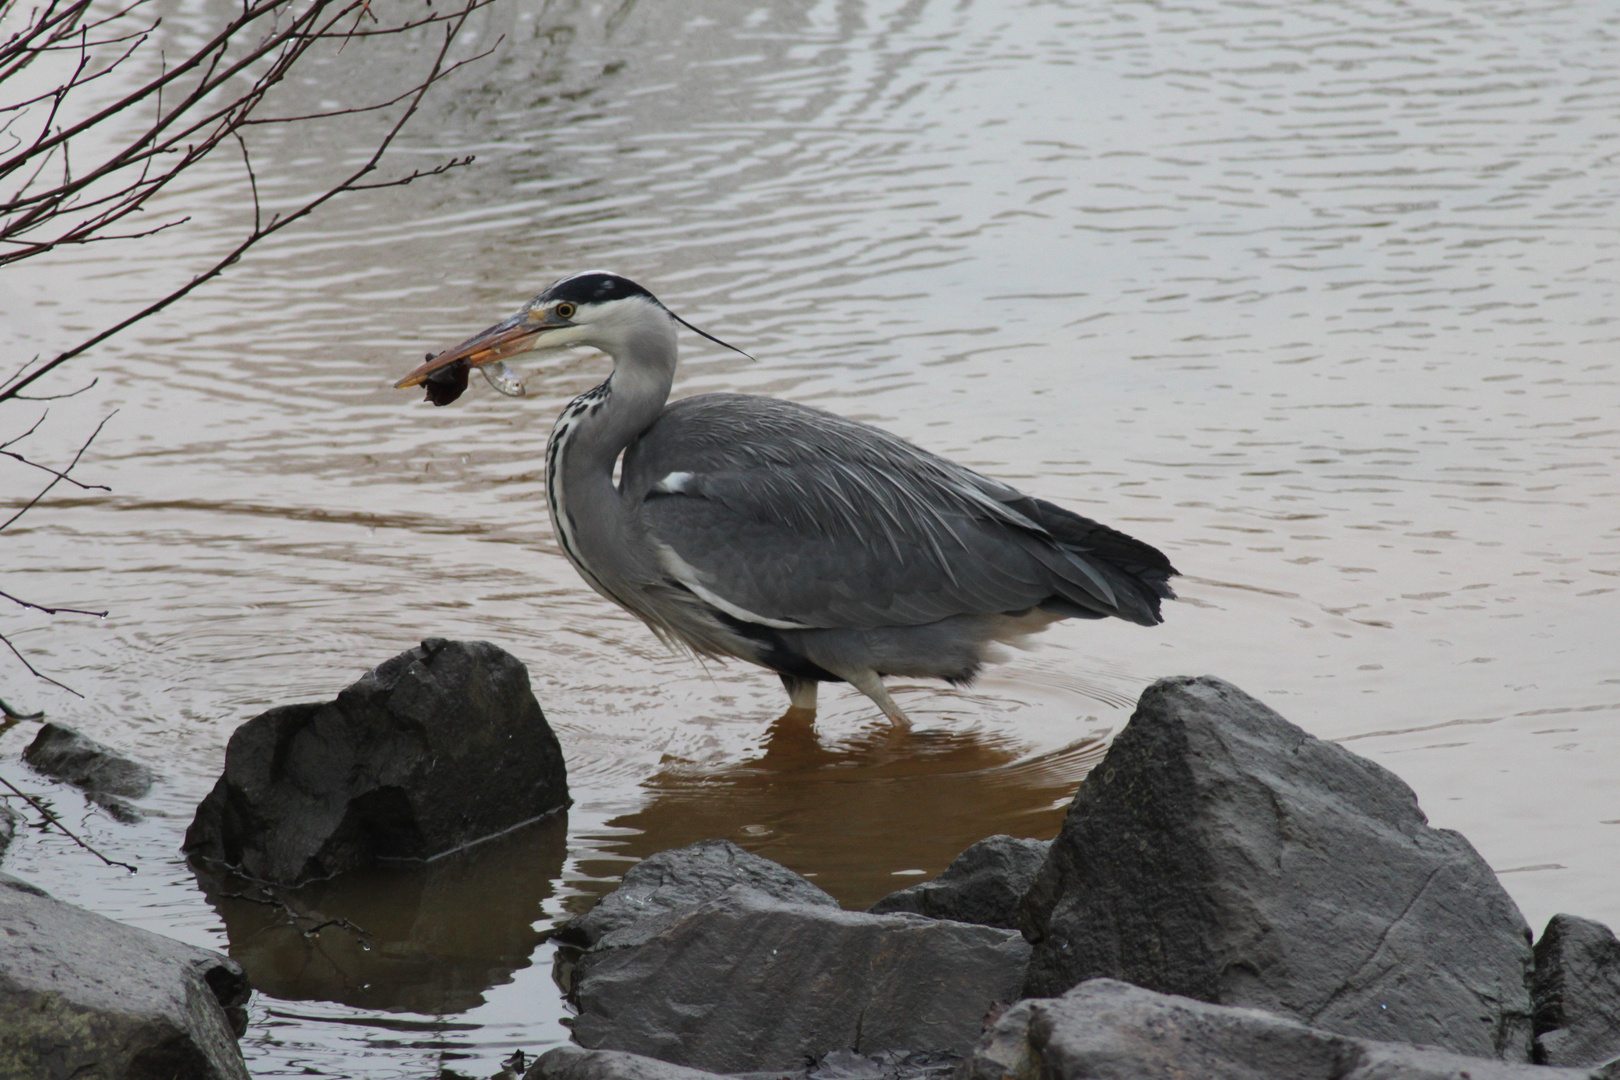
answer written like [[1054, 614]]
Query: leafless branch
[[205, 98], [32, 670]]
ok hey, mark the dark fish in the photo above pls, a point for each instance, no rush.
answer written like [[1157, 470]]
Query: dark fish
[[448, 383]]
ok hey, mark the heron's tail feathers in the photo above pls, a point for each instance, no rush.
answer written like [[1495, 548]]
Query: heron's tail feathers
[[1137, 574]]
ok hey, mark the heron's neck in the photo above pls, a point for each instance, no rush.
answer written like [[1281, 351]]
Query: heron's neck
[[587, 513]]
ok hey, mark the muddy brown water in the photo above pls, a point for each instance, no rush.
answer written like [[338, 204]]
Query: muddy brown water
[[1318, 297]]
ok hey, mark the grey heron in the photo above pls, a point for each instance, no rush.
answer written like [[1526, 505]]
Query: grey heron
[[824, 549]]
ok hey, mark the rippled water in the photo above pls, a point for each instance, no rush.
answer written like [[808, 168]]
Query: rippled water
[[1318, 297]]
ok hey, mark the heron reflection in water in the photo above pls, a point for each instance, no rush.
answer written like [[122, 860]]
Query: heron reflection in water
[[824, 549]]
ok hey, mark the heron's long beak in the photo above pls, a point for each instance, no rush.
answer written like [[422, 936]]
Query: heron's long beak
[[506, 338]]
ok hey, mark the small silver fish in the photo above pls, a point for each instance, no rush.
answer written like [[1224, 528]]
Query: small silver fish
[[503, 379]]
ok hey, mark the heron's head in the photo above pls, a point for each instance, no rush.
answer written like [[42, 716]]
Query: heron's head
[[596, 309]]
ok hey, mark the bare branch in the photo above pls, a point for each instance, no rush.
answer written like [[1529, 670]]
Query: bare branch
[[56, 397], [35, 672], [52, 610]]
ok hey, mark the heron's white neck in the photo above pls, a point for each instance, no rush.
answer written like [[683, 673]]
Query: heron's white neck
[[588, 514]]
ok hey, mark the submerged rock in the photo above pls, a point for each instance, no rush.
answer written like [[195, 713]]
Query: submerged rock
[[440, 747], [8, 827], [747, 982], [682, 878], [1109, 1030], [1222, 853], [983, 885], [84, 996], [1576, 993], [108, 778]]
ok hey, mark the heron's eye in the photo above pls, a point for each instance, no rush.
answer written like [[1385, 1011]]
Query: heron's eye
[[564, 310]]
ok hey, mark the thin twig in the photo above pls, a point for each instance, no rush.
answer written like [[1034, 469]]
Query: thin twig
[[54, 820], [35, 672], [59, 476], [51, 610]]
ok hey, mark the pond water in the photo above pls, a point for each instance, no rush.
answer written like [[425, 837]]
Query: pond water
[[1320, 298]]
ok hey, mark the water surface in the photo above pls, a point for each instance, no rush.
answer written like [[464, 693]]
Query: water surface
[[1317, 297]]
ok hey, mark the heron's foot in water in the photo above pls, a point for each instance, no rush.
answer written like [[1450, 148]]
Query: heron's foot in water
[[870, 683]]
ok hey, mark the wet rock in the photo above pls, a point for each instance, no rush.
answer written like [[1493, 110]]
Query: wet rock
[[1576, 993], [1222, 853], [440, 747], [574, 1063], [747, 982], [683, 878], [107, 778], [1109, 1030], [983, 885], [84, 996]]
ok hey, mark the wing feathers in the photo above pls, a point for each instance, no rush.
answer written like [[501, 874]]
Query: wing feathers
[[807, 518]]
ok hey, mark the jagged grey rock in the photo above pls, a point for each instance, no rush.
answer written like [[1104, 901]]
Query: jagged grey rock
[[439, 747], [1576, 993], [1220, 852], [982, 885], [1109, 1030], [746, 982], [84, 996], [108, 778], [682, 878]]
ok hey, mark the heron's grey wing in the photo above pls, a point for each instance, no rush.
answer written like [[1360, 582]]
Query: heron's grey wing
[[788, 516]]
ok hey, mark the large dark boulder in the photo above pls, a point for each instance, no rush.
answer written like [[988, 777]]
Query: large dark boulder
[[748, 982], [1576, 993], [983, 885], [107, 778], [1109, 1030], [439, 747], [682, 878], [1222, 853], [84, 996]]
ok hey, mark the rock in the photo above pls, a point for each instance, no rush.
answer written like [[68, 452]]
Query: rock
[[1222, 853], [1576, 993], [107, 778], [440, 747], [682, 878], [983, 885], [8, 827], [1109, 1030], [84, 996], [574, 1063], [749, 982]]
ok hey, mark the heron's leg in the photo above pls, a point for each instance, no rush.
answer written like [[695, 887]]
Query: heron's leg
[[870, 683], [801, 699], [801, 692]]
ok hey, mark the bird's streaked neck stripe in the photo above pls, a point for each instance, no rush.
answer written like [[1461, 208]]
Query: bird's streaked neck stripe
[[556, 495]]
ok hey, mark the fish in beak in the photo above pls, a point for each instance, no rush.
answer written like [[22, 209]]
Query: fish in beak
[[444, 376]]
